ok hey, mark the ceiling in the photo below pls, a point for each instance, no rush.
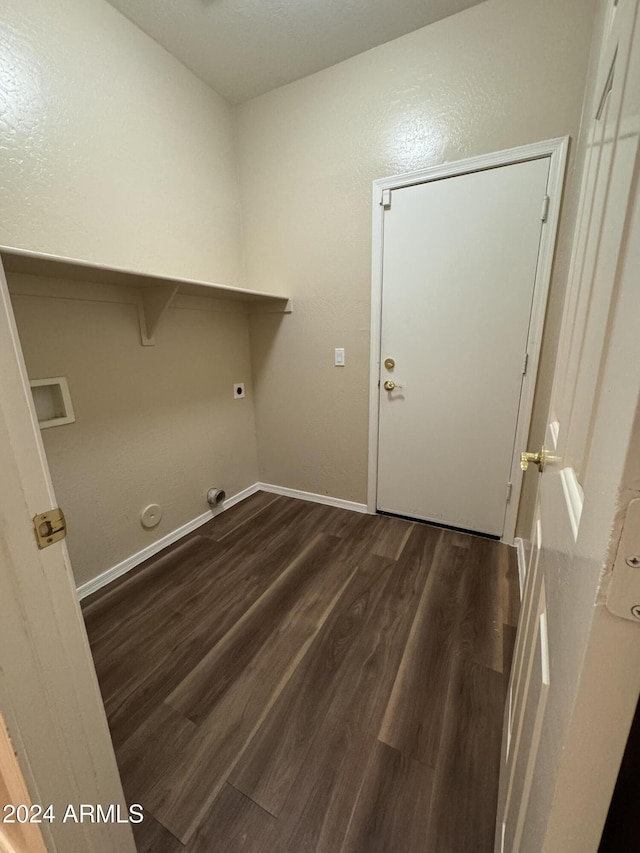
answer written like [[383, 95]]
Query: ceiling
[[244, 48]]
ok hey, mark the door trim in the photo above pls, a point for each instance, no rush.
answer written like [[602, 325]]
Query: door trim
[[556, 150], [49, 693]]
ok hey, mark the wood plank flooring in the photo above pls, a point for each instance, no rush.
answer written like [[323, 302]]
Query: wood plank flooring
[[294, 677]]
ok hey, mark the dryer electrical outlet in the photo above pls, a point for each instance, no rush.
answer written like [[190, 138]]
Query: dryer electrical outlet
[[238, 390]]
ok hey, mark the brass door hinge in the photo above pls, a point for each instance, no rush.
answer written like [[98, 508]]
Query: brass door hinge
[[50, 527]]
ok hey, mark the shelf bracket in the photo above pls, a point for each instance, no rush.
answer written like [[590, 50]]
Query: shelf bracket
[[154, 301]]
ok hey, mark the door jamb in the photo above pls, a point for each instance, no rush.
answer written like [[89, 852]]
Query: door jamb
[[556, 150], [49, 693]]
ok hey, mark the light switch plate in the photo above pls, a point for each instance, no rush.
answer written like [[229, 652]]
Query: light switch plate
[[339, 357]]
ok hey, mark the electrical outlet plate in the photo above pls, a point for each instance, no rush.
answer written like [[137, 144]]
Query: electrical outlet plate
[[151, 516], [238, 391]]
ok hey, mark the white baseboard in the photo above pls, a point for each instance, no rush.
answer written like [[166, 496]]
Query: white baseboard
[[312, 496], [134, 560], [522, 563]]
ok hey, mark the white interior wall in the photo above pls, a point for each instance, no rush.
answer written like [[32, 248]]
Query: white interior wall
[[114, 153], [153, 424], [117, 154], [501, 74]]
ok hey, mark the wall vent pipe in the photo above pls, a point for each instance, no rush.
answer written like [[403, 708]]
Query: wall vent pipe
[[215, 497]]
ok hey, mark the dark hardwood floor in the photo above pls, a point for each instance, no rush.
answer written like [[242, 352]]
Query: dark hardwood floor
[[294, 677]]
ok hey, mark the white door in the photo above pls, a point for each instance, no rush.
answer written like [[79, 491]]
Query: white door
[[459, 268], [49, 694], [576, 672]]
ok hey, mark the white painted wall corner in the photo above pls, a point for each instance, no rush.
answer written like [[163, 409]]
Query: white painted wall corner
[[136, 559]]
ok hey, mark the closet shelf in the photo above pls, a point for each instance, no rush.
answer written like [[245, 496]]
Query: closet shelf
[[156, 292]]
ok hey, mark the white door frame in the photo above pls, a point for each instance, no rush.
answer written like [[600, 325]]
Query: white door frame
[[49, 693], [556, 150]]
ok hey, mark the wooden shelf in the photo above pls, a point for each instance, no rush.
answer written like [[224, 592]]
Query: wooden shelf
[[157, 292]]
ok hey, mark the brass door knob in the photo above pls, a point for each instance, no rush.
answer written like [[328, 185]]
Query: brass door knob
[[534, 458], [389, 385]]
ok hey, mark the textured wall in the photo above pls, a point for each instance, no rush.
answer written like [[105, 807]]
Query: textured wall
[[113, 152], [153, 424], [110, 150], [504, 73]]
